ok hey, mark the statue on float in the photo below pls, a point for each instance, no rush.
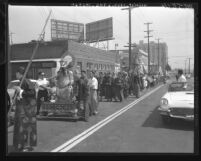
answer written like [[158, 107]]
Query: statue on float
[[64, 81]]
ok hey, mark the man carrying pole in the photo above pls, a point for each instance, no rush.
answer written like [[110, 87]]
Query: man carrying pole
[[25, 134]]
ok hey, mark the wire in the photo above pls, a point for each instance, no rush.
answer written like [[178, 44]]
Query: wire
[[41, 13]]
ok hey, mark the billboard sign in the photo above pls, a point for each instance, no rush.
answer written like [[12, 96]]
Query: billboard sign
[[99, 30], [65, 30]]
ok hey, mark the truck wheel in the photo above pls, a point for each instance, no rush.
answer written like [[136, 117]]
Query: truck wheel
[[86, 113], [165, 119]]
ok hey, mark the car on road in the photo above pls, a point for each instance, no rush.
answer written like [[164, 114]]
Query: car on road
[[178, 102]]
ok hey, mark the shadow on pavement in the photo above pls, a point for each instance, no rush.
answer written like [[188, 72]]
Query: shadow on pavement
[[154, 120]]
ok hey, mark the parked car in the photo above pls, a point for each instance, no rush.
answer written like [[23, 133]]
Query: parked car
[[178, 102]]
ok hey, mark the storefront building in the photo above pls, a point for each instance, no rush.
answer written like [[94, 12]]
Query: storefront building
[[49, 55]]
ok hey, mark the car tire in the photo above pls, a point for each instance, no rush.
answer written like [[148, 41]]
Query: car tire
[[166, 119]]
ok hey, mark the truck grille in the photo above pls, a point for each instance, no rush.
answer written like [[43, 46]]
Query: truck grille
[[181, 111]]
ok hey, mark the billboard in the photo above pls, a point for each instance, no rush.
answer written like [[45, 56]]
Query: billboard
[[99, 30], [65, 30]]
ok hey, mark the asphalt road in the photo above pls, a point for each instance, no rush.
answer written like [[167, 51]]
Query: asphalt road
[[139, 129]]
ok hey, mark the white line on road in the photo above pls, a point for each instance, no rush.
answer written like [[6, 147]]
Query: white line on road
[[77, 139]]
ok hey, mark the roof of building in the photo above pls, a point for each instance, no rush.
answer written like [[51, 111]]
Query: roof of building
[[51, 49], [57, 49]]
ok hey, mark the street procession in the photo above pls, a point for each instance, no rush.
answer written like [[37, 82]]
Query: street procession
[[72, 93], [68, 87], [76, 93]]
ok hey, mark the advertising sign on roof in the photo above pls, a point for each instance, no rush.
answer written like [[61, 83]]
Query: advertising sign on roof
[[65, 30], [99, 30]]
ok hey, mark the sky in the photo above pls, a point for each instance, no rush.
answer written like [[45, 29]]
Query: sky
[[174, 26]]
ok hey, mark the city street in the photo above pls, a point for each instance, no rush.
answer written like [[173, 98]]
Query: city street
[[60, 59], [137, 129]]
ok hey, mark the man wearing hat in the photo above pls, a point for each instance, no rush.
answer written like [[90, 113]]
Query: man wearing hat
[[25, 131], [83, 94]]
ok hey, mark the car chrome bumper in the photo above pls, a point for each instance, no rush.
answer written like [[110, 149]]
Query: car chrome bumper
[[167, 113], [187, 117]]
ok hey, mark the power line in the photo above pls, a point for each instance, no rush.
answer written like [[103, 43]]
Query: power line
[[44, 11], [176, 32], [143, 14]]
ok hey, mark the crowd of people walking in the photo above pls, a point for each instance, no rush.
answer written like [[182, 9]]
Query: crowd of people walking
[[118, 86]]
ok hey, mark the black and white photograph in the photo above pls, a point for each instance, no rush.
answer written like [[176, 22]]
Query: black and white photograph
[[100, 79]]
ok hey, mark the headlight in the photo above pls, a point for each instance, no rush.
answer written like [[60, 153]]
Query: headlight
[[164, 101]]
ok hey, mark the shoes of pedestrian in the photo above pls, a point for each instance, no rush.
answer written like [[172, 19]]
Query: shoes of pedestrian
[[27, 149], [95, 112]]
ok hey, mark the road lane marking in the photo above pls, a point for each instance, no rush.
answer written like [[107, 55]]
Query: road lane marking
[[77, 139]]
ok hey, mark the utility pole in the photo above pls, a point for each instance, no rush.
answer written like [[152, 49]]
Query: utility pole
[[185, 67], [11, 38], [158, 55], [116, 45], [129, 11], [189, 64], [133, 46], [148, 36]]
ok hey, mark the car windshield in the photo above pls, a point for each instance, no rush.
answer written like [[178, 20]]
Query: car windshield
[[180, 86]]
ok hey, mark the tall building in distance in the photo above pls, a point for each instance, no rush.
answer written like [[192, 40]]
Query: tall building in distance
[[153, 48]]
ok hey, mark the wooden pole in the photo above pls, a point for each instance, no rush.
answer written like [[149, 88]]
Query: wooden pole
[[34, 53]]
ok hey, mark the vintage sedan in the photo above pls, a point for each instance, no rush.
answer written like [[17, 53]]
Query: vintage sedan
[[178, 102]]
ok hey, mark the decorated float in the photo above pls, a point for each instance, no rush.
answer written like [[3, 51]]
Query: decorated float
[[63, 103]]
